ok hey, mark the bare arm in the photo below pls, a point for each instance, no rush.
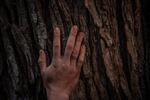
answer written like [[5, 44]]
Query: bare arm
[[62, 75]]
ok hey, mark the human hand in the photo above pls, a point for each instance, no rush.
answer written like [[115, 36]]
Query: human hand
[[62, 75]]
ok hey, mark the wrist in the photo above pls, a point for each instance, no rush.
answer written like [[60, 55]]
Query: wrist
[[56, 94]]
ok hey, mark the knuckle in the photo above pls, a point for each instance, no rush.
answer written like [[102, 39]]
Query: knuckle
[[80, 61], [75, 54], [74, 34], [64, 69], [56, 62], [75, 51], [72, 70], [80, 39], [55, 54], [56, 46], [69, 47], [57, 36], [66, 66], [81, 34], [39, 61]]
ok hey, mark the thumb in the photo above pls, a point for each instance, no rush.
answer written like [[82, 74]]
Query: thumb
[[42, 60]]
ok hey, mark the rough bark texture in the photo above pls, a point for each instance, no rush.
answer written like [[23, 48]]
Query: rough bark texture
[[117, 59]]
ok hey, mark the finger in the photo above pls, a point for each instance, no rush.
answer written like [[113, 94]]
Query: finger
[[77, 47], [56, 43], [42, 60], [81, 57], [70, 42]]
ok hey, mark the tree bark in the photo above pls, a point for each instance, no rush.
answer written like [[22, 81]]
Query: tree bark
[[117, 57]]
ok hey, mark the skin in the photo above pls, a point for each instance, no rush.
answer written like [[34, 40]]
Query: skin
[[62, 75]]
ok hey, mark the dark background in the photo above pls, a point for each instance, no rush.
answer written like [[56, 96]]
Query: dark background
[[146, 15]]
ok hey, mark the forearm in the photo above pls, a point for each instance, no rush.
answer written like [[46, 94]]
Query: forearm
[[54, 95]]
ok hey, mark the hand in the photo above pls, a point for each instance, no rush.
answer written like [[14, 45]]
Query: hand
[[62, 75]]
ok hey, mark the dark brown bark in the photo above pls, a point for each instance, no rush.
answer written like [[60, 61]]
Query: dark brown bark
[[117, 58]]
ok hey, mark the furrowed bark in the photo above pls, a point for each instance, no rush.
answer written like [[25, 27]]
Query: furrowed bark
[[116, 39]]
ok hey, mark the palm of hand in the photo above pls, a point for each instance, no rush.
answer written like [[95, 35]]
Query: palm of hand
[[63, 73]]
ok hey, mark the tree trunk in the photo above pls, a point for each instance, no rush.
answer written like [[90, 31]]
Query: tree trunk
[[116, 64]]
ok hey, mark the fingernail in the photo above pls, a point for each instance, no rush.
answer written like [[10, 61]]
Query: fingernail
[[75, 27], [56, 29]]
